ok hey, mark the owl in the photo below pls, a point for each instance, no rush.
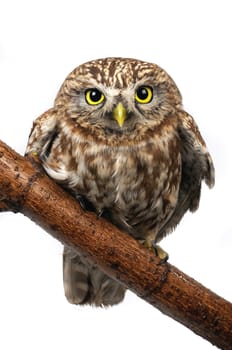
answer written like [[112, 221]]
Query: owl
[[119, 140]]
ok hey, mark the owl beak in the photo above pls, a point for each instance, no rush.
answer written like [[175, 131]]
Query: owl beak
[[120, 114]]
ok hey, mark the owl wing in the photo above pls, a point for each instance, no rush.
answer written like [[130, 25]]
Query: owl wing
[[43, 132], [197, 165]]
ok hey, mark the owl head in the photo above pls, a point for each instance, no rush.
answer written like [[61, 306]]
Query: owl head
[[118, 95]]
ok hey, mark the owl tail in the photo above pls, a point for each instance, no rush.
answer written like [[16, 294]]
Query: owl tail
[[85, 283]]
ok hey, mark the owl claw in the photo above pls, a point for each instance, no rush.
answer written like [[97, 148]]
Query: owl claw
[[84, 203], [157, 250], [161, 254]]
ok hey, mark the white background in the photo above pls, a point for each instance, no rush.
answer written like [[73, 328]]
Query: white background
[[40, 43]]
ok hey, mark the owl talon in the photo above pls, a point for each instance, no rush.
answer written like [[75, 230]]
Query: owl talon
[[157, 250], [84, 203], [161, 254]]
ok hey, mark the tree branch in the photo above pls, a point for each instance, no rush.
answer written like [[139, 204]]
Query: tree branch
[[25, 188]]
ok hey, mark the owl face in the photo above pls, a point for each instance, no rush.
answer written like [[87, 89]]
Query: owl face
[[118, 95]]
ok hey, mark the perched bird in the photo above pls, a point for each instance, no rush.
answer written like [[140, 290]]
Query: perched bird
[[119, 140]]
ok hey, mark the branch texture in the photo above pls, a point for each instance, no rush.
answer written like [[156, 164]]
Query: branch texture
[[25, 188]]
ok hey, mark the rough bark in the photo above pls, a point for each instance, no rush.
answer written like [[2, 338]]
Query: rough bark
[[25, 188]]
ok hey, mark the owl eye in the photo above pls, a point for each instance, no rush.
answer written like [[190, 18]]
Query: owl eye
[[144, 94], [94, 96]]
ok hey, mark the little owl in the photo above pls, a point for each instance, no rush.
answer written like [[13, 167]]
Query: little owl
[[119, 140]]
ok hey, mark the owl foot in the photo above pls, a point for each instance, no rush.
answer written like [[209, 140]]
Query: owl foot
[[157, 250]]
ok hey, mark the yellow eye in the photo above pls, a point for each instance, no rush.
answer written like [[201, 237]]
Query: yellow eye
[[94, 96], [144, 94]]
